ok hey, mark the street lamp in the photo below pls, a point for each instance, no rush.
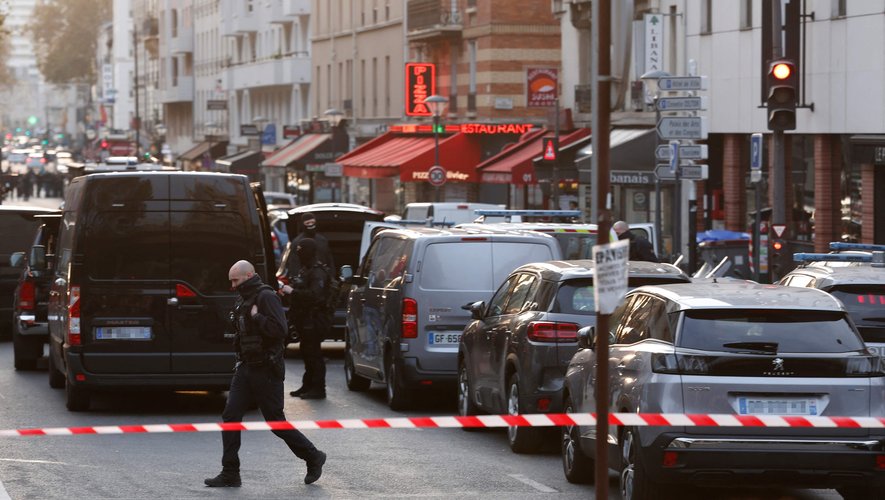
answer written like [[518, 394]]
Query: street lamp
[[437, 105], [335, 115], [650, 79]]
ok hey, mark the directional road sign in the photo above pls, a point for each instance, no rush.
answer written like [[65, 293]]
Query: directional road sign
[[674, 156], [681, 103], [756, 151], [689, 172], [683, 83], [686, 152], [682, 127]]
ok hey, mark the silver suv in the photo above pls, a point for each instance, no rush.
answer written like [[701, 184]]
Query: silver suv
[[744, 349]]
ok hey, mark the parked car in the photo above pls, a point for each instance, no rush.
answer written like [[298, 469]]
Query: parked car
[[278, 220], [140, 296], [404, 315], [36, 161], [341, 224], [276, 199], [17, 227], [513, 355], [743, 349], [30, 324]]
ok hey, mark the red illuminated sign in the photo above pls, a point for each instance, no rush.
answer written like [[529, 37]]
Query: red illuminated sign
[[467, 128], [420, 84], [542, 87]]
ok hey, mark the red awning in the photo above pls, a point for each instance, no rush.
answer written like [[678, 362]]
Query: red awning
[[515, 165], [411, 156], [295, 150]]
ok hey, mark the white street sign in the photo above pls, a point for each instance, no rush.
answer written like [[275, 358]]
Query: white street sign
[[674, 156], [756, 151], [688, 172], [681, 103], [682, 127], [686, 152], [683, 83], [610, 275]]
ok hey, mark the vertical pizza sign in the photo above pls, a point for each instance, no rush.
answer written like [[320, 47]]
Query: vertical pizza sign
[[420, 84], [542, 87]]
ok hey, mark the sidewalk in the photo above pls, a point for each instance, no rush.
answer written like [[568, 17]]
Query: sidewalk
[[33, 202]]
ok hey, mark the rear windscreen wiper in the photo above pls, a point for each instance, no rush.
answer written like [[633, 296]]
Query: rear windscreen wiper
[[873, 319], [764, 347]]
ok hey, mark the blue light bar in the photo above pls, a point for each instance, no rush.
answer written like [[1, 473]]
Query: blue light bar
[[831, 257], [530, 213], [838, 245]]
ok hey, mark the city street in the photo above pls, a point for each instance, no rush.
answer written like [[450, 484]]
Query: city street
[[384, 463]]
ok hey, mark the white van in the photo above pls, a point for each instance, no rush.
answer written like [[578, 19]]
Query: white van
[[455, 212]]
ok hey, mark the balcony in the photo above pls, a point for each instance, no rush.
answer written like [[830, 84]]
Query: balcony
[[150, 27], [429, 19], [288, 70], [182, 90], [239, 24], [182, 43]]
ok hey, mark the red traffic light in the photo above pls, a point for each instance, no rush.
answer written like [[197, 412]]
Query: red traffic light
[[781, 70], [104, 144], [777, 245]]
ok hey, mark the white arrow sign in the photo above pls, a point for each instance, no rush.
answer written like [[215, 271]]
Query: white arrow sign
[[683, 83], [682, 127], [681, 103], [688, 172], [686, 152]]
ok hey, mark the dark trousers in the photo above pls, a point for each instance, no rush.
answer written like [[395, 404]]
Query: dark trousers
[[257, 385], [314, 378]]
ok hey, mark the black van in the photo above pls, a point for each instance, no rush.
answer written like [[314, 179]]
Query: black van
[[141, 296]]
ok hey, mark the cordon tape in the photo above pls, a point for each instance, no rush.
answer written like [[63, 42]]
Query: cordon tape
[[480, 421]]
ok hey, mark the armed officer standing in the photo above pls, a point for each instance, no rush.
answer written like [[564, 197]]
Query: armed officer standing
[[260, 325]]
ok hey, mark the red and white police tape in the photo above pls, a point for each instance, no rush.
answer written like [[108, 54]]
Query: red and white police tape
[[480, 421]]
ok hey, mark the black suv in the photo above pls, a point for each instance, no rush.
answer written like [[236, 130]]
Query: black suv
[[17, 225], [30, 327], [513, 355]]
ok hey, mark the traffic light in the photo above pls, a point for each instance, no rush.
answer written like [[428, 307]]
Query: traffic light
[[778, 251], [783, 92], [439, 128], [104, 144]]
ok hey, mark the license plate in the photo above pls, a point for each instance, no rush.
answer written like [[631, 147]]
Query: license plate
[[878, 349], [123, 333], [777, 406], [444, 338]]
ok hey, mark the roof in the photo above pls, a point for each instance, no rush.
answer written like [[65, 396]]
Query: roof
[[417, 231], [547, 227], [585, 268], [333, 207], [745, 296], [859, 273]]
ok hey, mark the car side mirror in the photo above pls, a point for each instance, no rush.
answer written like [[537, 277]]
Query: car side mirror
[[16, 259], [475, 308], [346, 273], [38, 258], [587, 337]]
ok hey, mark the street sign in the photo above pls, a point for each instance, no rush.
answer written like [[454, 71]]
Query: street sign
[[550, 148], [686, 152], [681, 103], [610, 275], [436, 175], [682, 127], [683, 83], [755, 176], [674, 156], [688, 172], [756, 151], [778, 229]]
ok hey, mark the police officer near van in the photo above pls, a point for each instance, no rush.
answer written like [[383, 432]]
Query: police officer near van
[[260, 325], [640, 248], [323, 253], [307, 293]]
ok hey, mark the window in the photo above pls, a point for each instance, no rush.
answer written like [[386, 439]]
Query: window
[[520, 294], [386, 85], [840, 8], [388, 263], [499, 300], [374, 86], [471, 89], [575, 297], [634, 325], [746, 14], [706, 17]]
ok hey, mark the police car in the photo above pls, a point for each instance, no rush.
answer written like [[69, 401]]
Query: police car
[[855, 274]]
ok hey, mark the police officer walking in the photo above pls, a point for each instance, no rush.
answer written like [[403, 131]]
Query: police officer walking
[[308, 309], [640, 248], [258, 377]]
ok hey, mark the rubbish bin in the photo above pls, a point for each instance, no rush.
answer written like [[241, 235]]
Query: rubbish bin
[[714, 245]]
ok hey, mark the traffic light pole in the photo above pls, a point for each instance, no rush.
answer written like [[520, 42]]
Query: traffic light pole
[[778, 198]]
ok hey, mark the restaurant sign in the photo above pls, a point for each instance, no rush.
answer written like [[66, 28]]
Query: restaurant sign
[[420, 84]]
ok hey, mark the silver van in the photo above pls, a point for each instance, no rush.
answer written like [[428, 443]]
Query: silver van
[[405, 310]]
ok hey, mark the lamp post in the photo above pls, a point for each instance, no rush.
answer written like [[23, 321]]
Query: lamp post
[[650, 79], [437, 105], [335, 115]]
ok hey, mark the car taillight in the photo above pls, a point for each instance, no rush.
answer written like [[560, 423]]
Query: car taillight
[[27, 296], [74, 316], [410, 319], [184, 291], [549, 331]]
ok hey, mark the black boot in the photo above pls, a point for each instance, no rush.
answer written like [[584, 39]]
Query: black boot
[[224, 480], [314, 394], [315, 467], [298, 392]]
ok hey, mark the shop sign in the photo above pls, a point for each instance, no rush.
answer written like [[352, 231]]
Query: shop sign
[[542, 87], [216, 105], [420, 84], [495, 128], [291, 131], [451, 175]]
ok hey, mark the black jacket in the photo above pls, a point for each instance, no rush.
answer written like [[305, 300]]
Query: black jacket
[[270, 321], [324, 254], [640, 248], [307, 302]]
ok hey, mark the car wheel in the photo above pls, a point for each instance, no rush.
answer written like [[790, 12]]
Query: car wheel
[[466, 406], [26, 352], [397, 397], [355, 382], [635, 483], [576, 465], [76, 398], [522, 439], [56, 378]]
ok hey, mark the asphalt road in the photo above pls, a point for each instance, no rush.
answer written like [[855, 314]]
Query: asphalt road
[[382, 463]]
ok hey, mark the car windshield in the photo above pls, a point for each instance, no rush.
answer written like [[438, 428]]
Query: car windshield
[[747, 330]]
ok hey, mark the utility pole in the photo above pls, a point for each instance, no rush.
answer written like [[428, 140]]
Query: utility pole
[[778, 180], [135, 86]]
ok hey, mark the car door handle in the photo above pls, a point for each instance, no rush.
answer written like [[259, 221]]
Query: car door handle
[[172, 301]]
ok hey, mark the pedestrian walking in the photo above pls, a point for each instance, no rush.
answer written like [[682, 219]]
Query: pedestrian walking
[[260, 325], [640, 248], [307, 294]]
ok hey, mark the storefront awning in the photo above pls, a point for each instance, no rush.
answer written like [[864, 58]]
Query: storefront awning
[[630, 149], [215, 150], [296, 150], [411, 156], [515, 165], [243, 161]]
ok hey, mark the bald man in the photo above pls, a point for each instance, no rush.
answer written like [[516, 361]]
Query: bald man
[[640, 248], [259, 373]]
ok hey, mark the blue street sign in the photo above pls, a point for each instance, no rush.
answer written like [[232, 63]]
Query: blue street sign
[[674, 156], [756, 151]]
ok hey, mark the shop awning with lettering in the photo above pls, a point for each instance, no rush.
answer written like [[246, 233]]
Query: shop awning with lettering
[[515, 165], [296, 150]]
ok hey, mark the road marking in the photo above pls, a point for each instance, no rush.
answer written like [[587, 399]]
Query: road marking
[[21, 461], [543, 488]]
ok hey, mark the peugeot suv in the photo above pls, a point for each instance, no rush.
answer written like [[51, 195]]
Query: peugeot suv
[[742, 349]]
